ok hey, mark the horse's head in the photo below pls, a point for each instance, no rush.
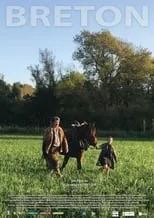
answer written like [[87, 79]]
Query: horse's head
[[87, 131]]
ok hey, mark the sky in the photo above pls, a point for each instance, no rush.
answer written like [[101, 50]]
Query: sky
[[19, 45]]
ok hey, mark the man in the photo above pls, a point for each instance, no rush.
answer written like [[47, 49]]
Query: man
[[107, 157], [54, 143]]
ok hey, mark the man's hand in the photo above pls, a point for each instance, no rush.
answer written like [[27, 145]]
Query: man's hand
[[98, 146]]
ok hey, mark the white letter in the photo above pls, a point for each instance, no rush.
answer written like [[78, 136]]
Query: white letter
[[15, 16], [143, 20], [84, 13], [40, 13], [116, 12], [59, 16]]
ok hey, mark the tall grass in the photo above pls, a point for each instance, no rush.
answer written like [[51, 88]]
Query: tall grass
[[22, 171]]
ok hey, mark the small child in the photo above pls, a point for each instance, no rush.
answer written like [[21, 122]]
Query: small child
[[107, 157]]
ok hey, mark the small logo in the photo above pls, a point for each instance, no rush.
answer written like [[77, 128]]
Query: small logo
[[115, 214], [142, 214], [128, 213]]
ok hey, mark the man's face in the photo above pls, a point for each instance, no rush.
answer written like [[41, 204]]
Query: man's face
[[110, 140], [56, 122]]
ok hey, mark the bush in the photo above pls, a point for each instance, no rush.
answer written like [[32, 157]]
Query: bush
[[100, 133], [21, 130], [125, 134]]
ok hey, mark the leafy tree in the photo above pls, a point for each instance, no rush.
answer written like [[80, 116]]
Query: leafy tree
[[5, 101], [44, 100], [119, 70]]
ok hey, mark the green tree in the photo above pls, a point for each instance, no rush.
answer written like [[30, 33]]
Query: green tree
[[44, 101], [5, 101], [71, 95], [119, 70]]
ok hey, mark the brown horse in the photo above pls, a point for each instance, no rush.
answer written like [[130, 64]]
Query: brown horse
[[79, 139]]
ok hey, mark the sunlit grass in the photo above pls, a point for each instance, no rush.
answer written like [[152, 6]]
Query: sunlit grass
[[22, 171]]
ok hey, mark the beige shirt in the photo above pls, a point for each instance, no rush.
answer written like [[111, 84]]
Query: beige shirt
[[56, 138]]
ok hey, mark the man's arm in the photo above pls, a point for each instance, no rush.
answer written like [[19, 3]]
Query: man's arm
[[64, 143], [47, 141]]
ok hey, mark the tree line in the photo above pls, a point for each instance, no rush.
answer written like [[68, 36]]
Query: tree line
[[115, 88]]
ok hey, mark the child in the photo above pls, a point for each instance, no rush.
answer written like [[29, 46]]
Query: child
[[107, 157]]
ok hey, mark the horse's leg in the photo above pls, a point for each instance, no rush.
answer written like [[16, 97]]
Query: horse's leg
[[79, 167], [48, 163], [79, 159], [66, 159]]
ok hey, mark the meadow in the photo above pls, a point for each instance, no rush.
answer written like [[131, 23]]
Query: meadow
[[22, 171]]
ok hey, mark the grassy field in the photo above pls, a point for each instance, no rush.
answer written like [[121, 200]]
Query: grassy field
[[22, 171]]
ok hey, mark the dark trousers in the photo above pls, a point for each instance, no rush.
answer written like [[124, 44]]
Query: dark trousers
[[53, 159]]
